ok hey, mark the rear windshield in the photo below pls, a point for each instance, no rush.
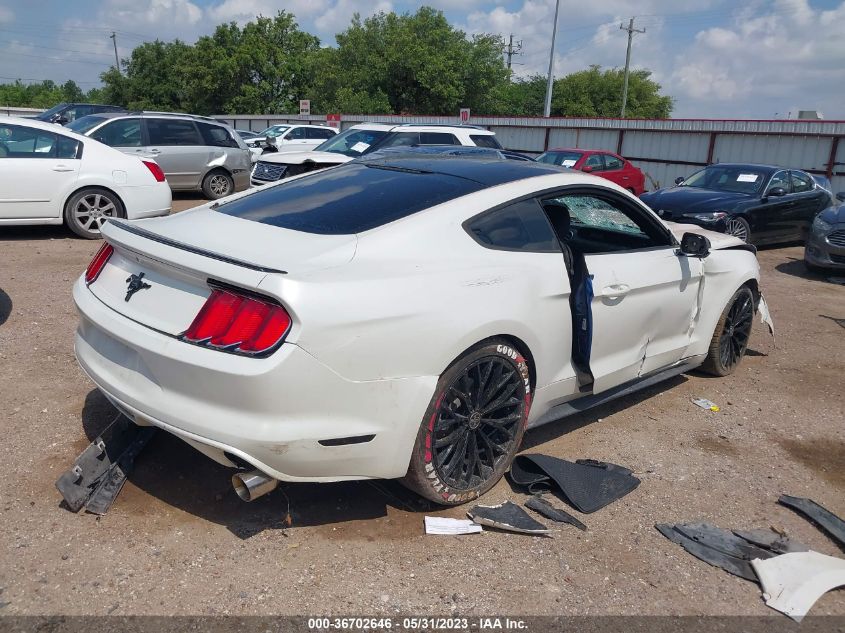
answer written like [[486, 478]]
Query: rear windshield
[[348, 199]]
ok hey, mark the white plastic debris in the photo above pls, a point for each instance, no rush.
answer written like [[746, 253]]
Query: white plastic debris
[[447, 526], [765, 316], [704, 403], [793, 582]]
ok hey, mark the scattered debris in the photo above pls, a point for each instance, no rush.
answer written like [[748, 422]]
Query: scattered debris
[[507, 516], [100, 471], [773, 540], [704, 403], [793, 582], [539, 504], [447, 526], [587, 485], [821, 516]]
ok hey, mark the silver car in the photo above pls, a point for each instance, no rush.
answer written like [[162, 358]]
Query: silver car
[[196, 153]]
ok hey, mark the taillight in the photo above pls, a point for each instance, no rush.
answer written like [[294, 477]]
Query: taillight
[[239, 323], [96, 266], [155, 170]]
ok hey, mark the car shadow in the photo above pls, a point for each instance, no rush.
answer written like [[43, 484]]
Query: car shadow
[[563, 426], [796, 268], [173, 472], [36, 233], [5, 306]]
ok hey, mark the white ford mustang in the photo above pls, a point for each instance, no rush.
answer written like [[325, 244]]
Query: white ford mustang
[[402, 317]]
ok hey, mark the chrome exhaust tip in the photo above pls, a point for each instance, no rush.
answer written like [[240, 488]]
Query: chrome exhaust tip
[[249, 486]]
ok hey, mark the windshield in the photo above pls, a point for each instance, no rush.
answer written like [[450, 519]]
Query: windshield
[[46, 116], [274, 130], [729, 178], [84, 124], [565, 159], [353, 142]]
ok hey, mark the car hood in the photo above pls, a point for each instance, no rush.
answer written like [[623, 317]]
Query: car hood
[[297, 158], [239, 240], [717, 240], [692, 200], [834, 215]]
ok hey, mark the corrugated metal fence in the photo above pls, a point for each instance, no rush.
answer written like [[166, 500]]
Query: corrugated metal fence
[[663, 149]]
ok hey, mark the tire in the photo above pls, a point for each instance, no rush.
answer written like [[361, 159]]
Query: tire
[[88, 209], [217, 184], [730, 338], [738, 227], [458, 454]]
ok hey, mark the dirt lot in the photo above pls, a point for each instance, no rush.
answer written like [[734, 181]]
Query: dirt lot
[[178, 540]]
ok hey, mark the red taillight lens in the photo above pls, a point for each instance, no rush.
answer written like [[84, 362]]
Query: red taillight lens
[[96, 266], [155, 170], [243, 324]]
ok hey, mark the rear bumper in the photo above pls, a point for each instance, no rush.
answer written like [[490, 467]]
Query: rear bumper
[[146, 201], [819, 252], [271, 412]]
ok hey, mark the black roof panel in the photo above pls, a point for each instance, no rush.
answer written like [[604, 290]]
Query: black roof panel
[[486, 171]]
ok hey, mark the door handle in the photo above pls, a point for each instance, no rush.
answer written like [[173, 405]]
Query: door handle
[[615, 290], [62, 168], [155, 151]]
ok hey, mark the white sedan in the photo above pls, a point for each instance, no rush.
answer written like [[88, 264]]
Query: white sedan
[[50, 175], [402, 317]]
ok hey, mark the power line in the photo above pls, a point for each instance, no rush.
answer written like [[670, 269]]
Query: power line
[[43, 80], [631, 30], [53, 48], [65, 60]]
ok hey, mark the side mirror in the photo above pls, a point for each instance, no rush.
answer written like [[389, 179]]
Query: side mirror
[[587, 169], [776, 192], [841, 196], [679, 180], [61, 119], [694, 245]]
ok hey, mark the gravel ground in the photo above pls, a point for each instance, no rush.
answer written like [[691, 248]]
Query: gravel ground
[[179, 541]]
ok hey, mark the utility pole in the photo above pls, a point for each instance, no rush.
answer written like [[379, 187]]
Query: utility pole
[[512, 50], [113, 37], [547, 110], [631, 30]]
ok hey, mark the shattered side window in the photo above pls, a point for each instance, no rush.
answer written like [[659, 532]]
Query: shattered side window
[[600, 214]]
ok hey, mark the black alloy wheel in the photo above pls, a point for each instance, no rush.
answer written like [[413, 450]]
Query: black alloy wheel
[[731, 335]]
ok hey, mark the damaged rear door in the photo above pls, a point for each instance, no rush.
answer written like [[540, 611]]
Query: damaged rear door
[[645, 296]]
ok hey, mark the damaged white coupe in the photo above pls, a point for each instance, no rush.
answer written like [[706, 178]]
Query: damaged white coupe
[[404, 317]]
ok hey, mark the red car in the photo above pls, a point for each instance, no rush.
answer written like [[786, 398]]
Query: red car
[[605, 164]]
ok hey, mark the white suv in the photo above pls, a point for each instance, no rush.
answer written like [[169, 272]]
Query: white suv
[[362, 139], [286, 138]]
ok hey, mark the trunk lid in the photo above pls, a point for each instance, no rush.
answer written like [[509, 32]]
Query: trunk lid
[[170, 261]]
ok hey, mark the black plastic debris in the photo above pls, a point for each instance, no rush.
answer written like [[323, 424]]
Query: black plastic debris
[[540, 505], [587, 485], [507, 516], [100, 471], [731, 551], [820, 515]]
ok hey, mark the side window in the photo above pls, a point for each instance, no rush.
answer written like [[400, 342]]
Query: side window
[[521, 226], [120, 133], [438, 138], [325, 133], [597, 223], [216, 136], [22, 142], [402, 139], [172, 132], [612, 163], [594, 161], [296, 134], [67, 147], [485, 140], [781, 179], [801, 182]]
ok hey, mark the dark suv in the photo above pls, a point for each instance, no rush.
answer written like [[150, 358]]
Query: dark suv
[[66, 112]]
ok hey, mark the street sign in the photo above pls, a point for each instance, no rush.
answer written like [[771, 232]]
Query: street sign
[[464, 115], [333, 120], [305, 106]]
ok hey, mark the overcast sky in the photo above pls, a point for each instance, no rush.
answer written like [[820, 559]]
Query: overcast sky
[[718, 58]]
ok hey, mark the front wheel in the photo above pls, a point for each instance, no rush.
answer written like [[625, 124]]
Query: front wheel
[[217, 184], [473, 426], [730, 338], [87, 210], [738, 227]]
